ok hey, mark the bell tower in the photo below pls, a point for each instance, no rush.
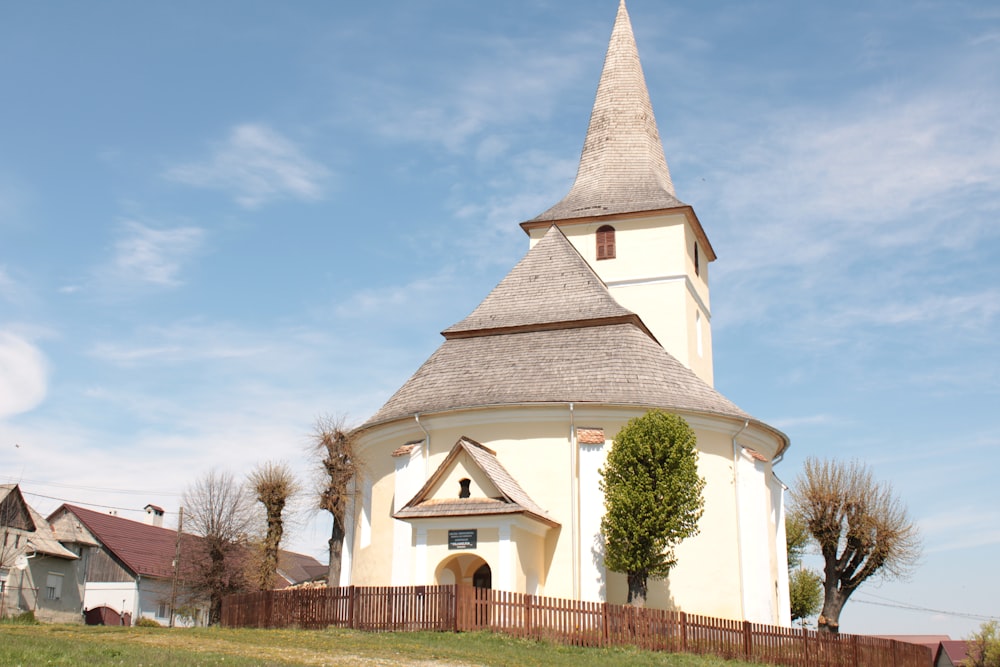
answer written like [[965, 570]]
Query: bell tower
[[623, 216]]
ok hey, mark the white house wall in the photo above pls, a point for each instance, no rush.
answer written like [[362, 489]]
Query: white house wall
[[753, 497], [122, 596], [777, 490], [536, 446]]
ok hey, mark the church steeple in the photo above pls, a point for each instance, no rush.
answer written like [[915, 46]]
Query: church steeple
[[622, 168], [624, 218]]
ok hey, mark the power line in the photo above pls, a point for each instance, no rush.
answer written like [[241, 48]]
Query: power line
[[137, 492], [896, 604], [80, 502]]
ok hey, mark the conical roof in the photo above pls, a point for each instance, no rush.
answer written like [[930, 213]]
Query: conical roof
[[550, 332], [622, 168], [551, 286]]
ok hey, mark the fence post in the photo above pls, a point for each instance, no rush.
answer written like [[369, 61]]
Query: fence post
[[854, 649], [528, 600], [684, 632], [351, 618], [747, 641], [605, 620]]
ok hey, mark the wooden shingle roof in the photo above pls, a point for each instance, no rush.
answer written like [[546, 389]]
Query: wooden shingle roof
[[551, 287], [622, 167], [512, 499], [522, 346]]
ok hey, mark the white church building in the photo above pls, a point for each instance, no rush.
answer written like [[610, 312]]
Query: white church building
[[483, 467]]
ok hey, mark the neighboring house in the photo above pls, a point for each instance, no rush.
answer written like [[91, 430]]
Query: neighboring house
[[952, 653], [484, 466], [296, 568], [37, 573], [131, 565], [947, 652]]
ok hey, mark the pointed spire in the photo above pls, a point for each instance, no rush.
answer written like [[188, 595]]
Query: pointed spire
[[622, 168]]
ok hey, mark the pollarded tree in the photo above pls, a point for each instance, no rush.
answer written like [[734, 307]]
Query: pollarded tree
[[273, 484], [333, 445], [652, 498], [219, 510], [861, 526]]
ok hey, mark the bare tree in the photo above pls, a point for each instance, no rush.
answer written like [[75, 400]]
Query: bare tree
[[338, 464], [861, 526], [273, 484], [219, 510]]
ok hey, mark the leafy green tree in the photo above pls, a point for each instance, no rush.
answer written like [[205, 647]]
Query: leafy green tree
[[805, 587], [861, 526], [805, 590], [652, 496], [984, 646]]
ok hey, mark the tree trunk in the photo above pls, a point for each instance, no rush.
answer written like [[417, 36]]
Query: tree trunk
[[336, 553], [272, 545], [833, 603], [637, 589]]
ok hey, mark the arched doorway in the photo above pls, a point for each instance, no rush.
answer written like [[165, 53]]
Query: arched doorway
[[483, 577], [468, 569]]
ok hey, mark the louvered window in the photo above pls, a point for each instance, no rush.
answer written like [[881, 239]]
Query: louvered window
[[606, 242]]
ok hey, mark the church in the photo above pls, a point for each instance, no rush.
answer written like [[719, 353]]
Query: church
[[484, 467]]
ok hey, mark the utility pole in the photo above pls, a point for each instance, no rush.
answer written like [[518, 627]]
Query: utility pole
[[177, 560]]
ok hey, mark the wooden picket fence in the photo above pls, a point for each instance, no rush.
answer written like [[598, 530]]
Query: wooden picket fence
[[464, 608]]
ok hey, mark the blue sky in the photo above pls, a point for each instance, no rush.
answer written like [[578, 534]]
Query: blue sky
[[220, 221]]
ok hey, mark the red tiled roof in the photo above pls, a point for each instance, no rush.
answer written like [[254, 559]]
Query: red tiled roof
[[145, 550], [957, 650], [148, 550]]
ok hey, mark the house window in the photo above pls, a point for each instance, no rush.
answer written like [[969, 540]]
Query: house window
[[697, 264], [464, 491], [606, 242], [53, 586], [161, 610]]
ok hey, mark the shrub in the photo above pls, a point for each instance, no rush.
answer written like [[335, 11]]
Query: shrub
[[146, 622], [24, 618]]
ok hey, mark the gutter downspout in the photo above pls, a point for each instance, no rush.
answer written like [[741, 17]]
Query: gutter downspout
[[739, 529], [574, 485]]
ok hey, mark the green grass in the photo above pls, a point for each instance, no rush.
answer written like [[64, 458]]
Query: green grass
[[28, 646]]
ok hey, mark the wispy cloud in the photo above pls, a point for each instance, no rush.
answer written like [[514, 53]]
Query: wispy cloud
[[256, 165], [9, 289], [961, 528], [23, 375], [145, 254], [191, 341]]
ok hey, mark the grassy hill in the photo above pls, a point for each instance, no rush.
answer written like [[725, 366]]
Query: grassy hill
[[71, 645]]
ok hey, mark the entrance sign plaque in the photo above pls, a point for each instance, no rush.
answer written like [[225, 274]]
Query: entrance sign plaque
[[462, 539]]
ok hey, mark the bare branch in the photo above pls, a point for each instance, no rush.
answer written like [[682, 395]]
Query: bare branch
[[862, 528]]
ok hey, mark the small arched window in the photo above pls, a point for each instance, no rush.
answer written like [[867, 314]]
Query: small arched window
[[464, 491], [606, 242], [697, 265]]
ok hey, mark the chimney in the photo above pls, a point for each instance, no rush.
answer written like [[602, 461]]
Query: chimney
[[154, 515]]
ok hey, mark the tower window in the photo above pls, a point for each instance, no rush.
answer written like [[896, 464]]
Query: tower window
[[697, 265], [606, 242], [464, 488]]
